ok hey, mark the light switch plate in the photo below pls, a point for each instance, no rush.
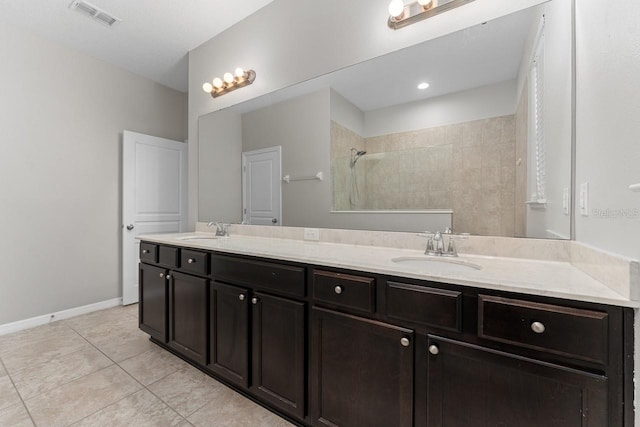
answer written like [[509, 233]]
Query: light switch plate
[[312, 234], [584, 199], [565, 201]]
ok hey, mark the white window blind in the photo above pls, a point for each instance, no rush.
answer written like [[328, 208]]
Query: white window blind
[[536, 126]]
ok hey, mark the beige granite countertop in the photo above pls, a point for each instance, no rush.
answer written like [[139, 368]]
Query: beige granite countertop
[[529, 276]]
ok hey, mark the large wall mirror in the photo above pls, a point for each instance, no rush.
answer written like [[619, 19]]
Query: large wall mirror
[[485, 149]]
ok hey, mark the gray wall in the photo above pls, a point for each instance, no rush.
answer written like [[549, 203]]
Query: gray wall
[[220, 167], [62, 114]]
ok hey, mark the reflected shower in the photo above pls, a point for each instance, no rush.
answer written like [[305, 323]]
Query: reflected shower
[[354, 192], [355, 155]]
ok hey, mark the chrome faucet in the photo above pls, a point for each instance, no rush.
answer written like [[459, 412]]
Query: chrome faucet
[[222, 229], [437, 245]]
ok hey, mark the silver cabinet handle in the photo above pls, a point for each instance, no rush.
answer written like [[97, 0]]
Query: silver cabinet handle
[[168, 276], [338, 289], [274, 220], [145, 251], [433, 349], [241, 297], [405, 342], [254, 301], [130, 227], [161, 275], [538, 327], [191, 260]]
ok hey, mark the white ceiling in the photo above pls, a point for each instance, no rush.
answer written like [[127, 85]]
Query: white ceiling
[[478, 56], [152, 40]]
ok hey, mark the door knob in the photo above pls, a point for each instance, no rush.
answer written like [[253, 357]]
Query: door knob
[[433, 349], [241, 297], [130, 227], [405, 342], [274, 220]]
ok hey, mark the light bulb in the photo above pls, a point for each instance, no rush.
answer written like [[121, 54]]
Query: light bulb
[[423, 85], [396, 9], [239, 73], [217, 83], [228, 78], [426, 4], [207, 87]]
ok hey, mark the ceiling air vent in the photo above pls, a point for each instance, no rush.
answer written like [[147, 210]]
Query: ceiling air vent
[[94, 12]]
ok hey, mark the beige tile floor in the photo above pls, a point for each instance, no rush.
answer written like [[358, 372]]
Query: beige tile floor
[[99, 369]]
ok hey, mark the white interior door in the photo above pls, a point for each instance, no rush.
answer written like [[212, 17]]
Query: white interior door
[[154, 197], [261, 186]]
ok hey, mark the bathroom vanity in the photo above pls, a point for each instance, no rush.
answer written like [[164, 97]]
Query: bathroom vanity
[[330, 334]]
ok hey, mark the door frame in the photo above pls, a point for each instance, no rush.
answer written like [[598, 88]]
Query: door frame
[[277, 149]]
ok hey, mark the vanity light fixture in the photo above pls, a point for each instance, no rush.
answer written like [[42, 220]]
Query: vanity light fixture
[[423, 85], [229, 82], [401, 14]]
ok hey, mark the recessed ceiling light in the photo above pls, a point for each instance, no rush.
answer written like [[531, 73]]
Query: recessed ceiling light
[[423, 85]]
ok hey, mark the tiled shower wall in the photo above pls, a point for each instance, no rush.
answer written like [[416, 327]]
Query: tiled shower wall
[[468, 167]]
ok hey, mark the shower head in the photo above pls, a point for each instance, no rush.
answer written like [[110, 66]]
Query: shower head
[[355, 155]]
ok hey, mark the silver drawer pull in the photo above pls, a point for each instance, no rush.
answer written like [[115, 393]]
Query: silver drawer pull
[[191, 260], [405, 342], [254, 301], [338, 289], [537, 327], [241, 297], [145, 251], [161, 275], [433, 349], [168, 277]]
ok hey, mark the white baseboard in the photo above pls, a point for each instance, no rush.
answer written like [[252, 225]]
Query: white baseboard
[[20, 325]]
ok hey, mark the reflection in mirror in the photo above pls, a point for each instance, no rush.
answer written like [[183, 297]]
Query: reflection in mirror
[[485, 148]]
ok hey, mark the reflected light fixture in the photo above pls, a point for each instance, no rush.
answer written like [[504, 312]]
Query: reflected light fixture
[[229, 82], [423, 85], [401, 14]]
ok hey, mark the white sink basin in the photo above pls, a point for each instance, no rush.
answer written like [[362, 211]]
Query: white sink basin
[[436, 265], [211, 237]]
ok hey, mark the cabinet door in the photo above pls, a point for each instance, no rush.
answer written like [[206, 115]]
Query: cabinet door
[[229, 329], [470, 386], [188, 321], [362, 372], [152, 309], [279, 352]]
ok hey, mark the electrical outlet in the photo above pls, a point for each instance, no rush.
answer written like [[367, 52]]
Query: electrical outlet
[[312, 234], [584, 199], [565, 201]]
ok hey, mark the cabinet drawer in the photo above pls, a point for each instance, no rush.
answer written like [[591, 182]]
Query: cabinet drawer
[[168, 256], [263, 275], [148, 252], [194, 261], [577, 333], [356, 292], [424, 305]]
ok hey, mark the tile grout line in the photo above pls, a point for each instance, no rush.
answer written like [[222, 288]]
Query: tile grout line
[[24, 405], [131, 376]]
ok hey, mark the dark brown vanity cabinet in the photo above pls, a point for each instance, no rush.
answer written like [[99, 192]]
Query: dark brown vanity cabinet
[[471, 386], [229, 332], [152, 307], [330, 347], [188, 315], [278, 356], [362, 371]]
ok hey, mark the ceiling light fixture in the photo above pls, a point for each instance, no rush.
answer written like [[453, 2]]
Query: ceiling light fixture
[[423, 85], [401, 14], [229, 82]]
